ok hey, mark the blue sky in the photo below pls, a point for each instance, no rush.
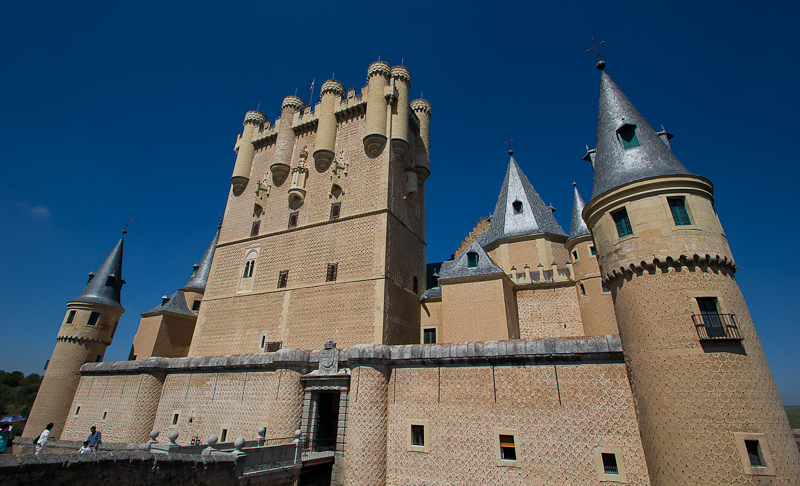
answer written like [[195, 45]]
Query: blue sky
[[111, 110]]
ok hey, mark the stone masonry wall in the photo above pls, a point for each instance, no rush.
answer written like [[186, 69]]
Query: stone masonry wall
[[549, 312]]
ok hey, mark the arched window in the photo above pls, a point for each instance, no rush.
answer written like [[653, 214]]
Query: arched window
[[250, 263]]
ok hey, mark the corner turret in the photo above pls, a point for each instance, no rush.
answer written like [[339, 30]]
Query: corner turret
[[422, 108], [244, 157], [401, 80], [378, 82], [331, 93], [284, 143]]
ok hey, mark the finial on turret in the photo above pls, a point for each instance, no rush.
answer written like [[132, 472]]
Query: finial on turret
[[508, 142], [125, 231], [574, 184], [593, 50]]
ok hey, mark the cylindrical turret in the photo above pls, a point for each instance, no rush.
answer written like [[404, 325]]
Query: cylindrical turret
[[378, 79], [244, 158], [401, 78], [367, 410], [331, 93], [284, 142], [423, 110]]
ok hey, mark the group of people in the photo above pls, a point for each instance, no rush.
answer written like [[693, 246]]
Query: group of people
[[92, 443]]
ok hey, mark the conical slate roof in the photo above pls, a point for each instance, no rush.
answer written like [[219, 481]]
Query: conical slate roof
[[578, 227], [460, 266], [615, 166], [175, 305], [105, 285], [197, 282], [529, 217]]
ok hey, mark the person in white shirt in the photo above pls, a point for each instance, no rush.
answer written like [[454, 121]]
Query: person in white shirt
[[85, 448], [43, 438]]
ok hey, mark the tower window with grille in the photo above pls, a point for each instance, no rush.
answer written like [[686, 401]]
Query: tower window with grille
[[293, 219], [610, 463], [283, 279], [336, 209], [677, 206], [255, 228], [517, 205], [429, 335], [333, 269], [71, 317], [623, 222], [627, 136], [93, 319], [472, 259]]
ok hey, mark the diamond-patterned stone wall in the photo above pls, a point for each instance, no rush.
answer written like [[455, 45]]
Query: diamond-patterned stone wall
[[365, 449], [691, 400]]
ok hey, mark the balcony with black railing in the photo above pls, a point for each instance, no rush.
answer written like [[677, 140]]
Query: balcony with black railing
[[713, 327]]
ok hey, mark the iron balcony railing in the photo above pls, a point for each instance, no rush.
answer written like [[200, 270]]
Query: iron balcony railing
[[716, 326]]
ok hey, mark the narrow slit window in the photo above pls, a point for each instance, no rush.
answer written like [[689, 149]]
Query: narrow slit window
[[677, 206], [593, 251], [333, 270], [223, 436], [293, 219], [627, 136], [71, 317], [583, 290], [575, 254], [93, 319], [472, 259], [429, 335], [753, 453], [508, 449], [336, 209], [283, 279], [255, 228], [175, 418], [418, 435], [77, 410], [610, 463], [415, 284], [605, 289], [622, 222]]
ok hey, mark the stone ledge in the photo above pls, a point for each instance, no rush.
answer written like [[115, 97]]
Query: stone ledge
[[571, 349], [16, 460]]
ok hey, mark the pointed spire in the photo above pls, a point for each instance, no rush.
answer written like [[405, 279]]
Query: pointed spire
[[105, 285], [644, 155], [519, 210], [197, 282], [578, 227]]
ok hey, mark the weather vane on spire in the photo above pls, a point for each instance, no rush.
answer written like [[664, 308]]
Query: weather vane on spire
[[594, 50], [508, 142]]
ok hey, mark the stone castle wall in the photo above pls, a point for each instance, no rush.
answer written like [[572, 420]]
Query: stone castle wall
[[549, 312]]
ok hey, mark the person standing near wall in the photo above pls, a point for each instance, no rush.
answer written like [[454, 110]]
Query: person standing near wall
[[43, 438], [5, 436]]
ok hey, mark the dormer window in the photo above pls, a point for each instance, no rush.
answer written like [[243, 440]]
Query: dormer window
[[110, 280], [627, 136], [517, 205], [472, 259]]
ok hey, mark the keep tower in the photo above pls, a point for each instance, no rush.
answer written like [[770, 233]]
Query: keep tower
[[86, 331], [708, 408], [324, 231]]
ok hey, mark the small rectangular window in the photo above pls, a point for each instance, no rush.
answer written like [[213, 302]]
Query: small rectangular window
[[575, 254], [610, 463], [415, 284], [104, 416], [336, 209], [333, 269], [293, 219], [93, 319], [77, 410], [472, 259], [605, 289], [283, 279], [71, 317], [593, 251], [175, 418], [196, 305], [677, 206], [255, 228], [508, 450], [418, 435], [753, 453], [429, 335], [622, 222], [223, 436]]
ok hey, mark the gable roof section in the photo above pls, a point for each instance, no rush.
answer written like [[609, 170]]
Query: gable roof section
[[175, 305], [460, 266]]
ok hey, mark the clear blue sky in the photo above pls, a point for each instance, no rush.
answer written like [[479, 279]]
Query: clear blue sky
[[118, 109]]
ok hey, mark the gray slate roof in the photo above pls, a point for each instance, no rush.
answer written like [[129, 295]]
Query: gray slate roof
[[578, 227], [460, 267], [615, 166], [105, 285], [197, 282], [534, 218], [175, 305]]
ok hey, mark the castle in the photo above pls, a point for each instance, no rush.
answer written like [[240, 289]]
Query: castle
[[620, 352]]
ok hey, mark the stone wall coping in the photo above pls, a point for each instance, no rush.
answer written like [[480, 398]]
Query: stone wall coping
[[17, 460], [569, 348]]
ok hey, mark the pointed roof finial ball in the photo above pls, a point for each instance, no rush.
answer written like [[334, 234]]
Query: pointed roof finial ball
[[601, 65], [510, 152]]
